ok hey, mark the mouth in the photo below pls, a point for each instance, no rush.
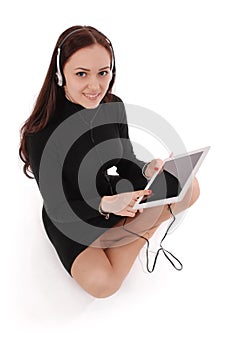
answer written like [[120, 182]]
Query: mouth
[[92, 97]]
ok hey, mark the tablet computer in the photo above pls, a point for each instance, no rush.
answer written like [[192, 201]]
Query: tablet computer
[[170, 184]]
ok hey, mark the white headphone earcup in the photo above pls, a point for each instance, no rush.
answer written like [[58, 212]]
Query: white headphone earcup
[[59, 79]]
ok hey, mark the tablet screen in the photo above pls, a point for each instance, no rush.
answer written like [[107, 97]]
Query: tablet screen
[[170, 182]]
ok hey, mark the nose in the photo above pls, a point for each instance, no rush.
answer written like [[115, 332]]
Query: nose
[[93, 83]]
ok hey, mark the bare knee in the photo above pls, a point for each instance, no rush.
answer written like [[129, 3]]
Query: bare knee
[[195, 192], [99, 283], [189, 199], [103, 285]]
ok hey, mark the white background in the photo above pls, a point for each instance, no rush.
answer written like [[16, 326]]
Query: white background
[[173, 57]]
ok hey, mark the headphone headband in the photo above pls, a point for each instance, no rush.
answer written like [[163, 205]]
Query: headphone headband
[[67, 36]]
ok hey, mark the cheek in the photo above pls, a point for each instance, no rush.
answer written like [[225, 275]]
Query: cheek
[[107, 81], [73, 84]]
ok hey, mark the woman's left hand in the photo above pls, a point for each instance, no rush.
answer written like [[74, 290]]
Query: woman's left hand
[[154, 165]]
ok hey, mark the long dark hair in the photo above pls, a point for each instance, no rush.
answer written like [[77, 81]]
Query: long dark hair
[[50, 92]]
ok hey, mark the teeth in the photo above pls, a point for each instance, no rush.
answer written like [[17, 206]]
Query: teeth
[[91, 96]]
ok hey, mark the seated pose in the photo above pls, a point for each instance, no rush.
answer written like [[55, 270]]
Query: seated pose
[[77, 131]]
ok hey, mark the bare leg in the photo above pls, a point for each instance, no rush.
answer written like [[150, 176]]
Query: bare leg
[[101, 271], [151, 217]]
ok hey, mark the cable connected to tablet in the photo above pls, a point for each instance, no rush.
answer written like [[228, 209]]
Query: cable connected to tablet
[[165, 252]]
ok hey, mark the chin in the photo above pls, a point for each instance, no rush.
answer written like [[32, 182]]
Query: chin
[[92, 106]]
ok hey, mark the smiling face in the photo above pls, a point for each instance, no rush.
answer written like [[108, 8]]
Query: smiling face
[[87, 74]]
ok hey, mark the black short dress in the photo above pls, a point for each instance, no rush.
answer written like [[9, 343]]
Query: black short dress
[[70, 159]]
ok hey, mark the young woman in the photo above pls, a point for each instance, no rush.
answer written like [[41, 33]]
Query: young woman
[[97, 247]]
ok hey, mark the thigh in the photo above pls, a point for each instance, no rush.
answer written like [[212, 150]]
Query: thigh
[[92, 271], [92, 261], [142, 222], [145, 221]]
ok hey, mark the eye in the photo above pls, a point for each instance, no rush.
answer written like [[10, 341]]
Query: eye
[[81, 74], [103, 73]]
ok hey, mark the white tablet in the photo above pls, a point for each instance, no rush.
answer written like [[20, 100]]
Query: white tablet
[[171, 183]]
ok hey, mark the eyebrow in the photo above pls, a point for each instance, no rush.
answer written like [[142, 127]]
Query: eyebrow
[[88, 70]]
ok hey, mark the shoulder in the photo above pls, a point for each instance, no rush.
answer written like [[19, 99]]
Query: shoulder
[[115, 98], [36, 141]]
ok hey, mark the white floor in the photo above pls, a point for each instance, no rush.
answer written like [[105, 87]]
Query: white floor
[[187, 309], [191, 85]]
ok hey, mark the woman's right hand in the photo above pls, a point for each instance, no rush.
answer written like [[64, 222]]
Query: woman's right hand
[[122, 203]]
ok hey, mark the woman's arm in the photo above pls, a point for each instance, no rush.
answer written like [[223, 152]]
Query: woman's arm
[[129, 167]]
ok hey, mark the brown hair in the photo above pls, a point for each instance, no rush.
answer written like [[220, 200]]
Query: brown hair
[[50, 92]]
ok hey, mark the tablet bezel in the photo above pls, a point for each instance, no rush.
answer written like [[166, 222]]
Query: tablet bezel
[[170, 200]]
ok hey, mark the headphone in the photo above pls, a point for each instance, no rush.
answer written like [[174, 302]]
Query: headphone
[[59, 73]]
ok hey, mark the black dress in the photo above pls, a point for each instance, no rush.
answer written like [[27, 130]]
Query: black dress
[[69, 159]]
